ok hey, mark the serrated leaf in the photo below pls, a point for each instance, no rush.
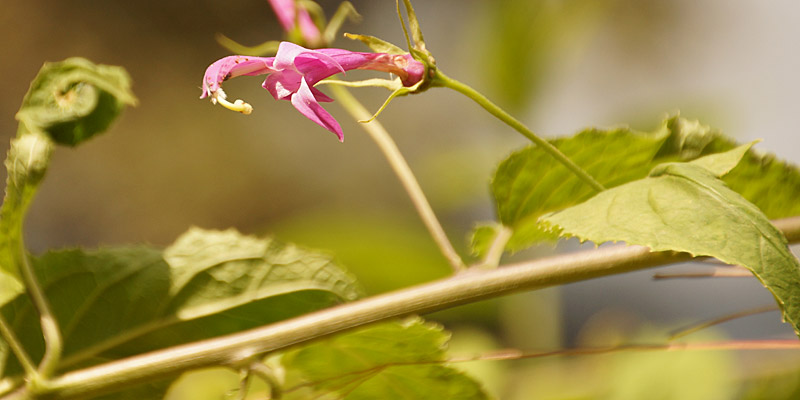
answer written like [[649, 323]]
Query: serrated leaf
[[120, 301], [74, 99], [395, 360], [529, 183], [684, 207]]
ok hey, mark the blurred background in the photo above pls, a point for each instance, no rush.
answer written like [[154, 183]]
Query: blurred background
[[559, 65]]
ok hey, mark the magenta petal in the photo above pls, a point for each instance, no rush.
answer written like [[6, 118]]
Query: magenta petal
[[320, 96], [284, 10], [231, 67], [287, 52], [305, 102]]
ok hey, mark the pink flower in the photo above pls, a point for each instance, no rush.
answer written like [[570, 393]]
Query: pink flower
[[289, 13], [293, 72]]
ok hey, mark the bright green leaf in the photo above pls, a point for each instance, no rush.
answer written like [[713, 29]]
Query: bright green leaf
[[684, 207], [722, 163], [530, 183], [206, 284], [396, 360]]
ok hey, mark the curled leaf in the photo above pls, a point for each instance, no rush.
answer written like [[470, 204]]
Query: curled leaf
[[74, 99]]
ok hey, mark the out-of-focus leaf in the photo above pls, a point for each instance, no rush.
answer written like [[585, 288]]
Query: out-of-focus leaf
[[396, 360], [529, 183], [74, 99], [685, 207], [67, 102], [118, 301]]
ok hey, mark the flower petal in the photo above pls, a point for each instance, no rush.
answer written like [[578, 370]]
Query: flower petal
[[305, 102], [287, 52], [285, 11], [231, 67]]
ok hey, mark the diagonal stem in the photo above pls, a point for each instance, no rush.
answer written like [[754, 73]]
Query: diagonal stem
[[50, 329], [463, 288], [403, 171], [16, 347], [441, 79]]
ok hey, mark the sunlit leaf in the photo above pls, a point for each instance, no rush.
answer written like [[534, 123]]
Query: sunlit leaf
[[529, 183], [119, 301], [685, 207], [395, 360]]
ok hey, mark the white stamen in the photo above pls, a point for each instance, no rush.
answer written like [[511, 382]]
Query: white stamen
[[239, 105]]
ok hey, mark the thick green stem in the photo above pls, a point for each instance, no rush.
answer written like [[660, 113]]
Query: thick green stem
[[441, 79], [403, 172], [463, 288]]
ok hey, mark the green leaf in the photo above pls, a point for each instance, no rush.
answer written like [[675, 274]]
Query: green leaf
[[74, 99], [722, 163], [684, 207], [120, 301], [395, 360], [529, 183]]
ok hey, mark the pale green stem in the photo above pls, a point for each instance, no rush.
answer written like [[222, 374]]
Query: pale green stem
[[498, 247], [50, 329], [442, 80], [345, 11], [459, 289], [403, 172], [16, 347], [264, 372], [269, 47]]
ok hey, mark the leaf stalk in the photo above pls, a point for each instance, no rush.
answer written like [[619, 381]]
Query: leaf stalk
[[440, 79]]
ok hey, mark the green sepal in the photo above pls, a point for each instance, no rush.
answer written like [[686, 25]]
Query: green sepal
[[377, 45]]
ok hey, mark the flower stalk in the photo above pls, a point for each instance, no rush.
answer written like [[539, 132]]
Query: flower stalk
[[384, 141]]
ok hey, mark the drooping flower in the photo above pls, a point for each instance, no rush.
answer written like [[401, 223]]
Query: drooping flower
[[293, 72], [290, 14]]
